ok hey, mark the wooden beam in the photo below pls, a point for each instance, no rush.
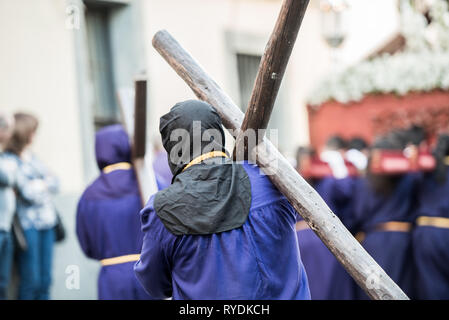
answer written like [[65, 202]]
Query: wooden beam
[[360, 265], [140, 119], [133, 107], [271, 71]]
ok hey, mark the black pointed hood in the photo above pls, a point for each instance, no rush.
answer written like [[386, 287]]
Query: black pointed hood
[[210, 197], [190, 129]]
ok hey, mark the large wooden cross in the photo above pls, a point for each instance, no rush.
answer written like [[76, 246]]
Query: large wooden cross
[[359, 264]]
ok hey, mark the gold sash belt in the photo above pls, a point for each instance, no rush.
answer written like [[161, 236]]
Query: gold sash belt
[[117, 166], [394, 226], [391, 226], [120, 259], [205, 156], [438, 222]]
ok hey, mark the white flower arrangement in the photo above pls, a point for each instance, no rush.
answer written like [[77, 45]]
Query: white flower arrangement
[[422, 66]]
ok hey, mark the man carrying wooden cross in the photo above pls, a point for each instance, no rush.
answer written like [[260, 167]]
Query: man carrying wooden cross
[[362, 267], [221, 230]]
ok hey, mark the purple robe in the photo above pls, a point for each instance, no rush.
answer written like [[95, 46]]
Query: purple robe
[[323, 270], [318, 261], [107, 222], [343, 201], [259, 260], [162, 170], [430, 244], [391, 249]]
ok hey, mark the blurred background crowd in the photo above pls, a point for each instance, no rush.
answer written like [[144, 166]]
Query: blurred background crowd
[[392, 196], [28, 217], [366, 93]]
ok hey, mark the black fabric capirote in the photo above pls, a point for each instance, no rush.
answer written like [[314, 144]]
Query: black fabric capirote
[[190, 129], [211, 197]]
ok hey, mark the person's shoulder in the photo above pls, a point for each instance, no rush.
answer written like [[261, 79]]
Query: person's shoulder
[[150, 221], [259, 178], [91, 189], [263, 191], [253, 170], [8, 159], [84, 198], [9, 167], [94, 191], [9, 156], [114, 185]]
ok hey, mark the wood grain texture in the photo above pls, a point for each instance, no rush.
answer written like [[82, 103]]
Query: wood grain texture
[[362, 267], [271, 72], [134, 118], [140, 119]]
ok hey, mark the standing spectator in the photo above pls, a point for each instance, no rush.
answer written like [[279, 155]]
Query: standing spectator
[[35, 209], [7, 204]]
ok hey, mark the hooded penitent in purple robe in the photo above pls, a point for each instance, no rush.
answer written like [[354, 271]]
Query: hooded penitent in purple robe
[[315, 255], [221, 230], [323, 270], [431, 242], [431, 234], [391, 249], [108, 224], [343, 286]]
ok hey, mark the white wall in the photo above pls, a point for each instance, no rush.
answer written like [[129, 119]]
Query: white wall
[[201, 25], [37, 75]]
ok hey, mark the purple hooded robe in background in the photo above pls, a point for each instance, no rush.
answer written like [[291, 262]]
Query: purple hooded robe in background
[[391, 249], [430, 244], [319, 262], [108, 223]]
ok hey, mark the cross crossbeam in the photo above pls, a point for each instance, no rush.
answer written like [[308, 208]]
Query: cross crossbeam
[[271, 71]]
